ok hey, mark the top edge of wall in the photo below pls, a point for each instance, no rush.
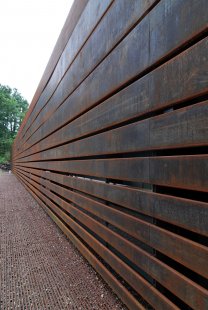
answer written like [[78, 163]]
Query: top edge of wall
[[75, 12]]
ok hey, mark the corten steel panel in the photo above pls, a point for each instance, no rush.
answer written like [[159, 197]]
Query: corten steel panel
[[114, 146], [186, 172], [140, 47], [166, 275], [105, 42], [142, 97], [136, 228]]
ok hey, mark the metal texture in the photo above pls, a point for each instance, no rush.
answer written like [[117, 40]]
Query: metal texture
[[115, 147]]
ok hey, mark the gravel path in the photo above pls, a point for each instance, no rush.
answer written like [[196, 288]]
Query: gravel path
[[40, 268]]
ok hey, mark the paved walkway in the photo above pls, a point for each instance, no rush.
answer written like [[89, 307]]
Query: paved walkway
[[40, 268]]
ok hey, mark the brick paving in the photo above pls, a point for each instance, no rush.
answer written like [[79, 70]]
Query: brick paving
[[39, 267]]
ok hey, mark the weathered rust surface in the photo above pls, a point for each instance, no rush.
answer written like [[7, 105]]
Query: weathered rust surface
[[114, 147], [164, 207], [141, 46], [145, 95], [181, 128]]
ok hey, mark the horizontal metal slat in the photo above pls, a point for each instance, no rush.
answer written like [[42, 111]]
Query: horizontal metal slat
[[189, 171], [193, 256], [182, 128], [189, 214]]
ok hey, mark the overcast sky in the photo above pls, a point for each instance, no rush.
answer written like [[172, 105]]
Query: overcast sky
[[29, 30]]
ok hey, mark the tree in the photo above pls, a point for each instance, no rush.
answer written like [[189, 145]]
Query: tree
[[12, 111]]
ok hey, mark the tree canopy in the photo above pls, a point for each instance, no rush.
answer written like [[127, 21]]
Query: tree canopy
[[12, 111]]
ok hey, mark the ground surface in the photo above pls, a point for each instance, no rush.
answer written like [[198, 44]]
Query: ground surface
[[39, 268]]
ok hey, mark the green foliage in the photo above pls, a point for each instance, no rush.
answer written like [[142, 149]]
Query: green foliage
[[12, 111]]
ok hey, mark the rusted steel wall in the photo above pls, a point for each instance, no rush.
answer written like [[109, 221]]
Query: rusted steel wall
[[115, 146]]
